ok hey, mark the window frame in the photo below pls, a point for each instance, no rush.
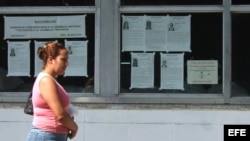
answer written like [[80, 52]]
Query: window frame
[[107, 52], [21, 96], [243, 8], [178, 97]]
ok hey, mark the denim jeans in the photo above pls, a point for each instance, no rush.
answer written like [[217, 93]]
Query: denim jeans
[[40, 135]]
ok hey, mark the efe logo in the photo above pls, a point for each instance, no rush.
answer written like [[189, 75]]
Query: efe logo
[[237, 132]]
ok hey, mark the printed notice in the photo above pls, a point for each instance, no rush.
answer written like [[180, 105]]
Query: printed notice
[[172, 71], [179, 33], [202, 71], [142, 70], [77, 58], [156, 33], [26, 27], [18, 58], [133, 33]]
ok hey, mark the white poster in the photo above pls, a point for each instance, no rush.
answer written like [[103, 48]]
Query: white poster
[[172, 71], [202, 71], [77, 58], [156, 33], [142, 70], [18, 58], [179, 34], [133, 33], [38, 62], [26, 27]]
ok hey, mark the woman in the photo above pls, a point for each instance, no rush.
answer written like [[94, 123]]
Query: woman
[[51, 121]]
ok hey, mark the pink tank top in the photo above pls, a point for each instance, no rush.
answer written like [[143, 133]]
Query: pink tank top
[[43, 117]]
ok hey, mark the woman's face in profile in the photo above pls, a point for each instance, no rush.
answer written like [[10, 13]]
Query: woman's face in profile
[[61, 62]]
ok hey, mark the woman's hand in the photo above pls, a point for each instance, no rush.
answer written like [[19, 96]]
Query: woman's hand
[[72, 133]]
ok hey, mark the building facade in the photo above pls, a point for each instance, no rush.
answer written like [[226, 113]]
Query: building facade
[[116, 78]]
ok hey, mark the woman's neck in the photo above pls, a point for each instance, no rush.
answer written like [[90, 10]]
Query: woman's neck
[[50, 73]]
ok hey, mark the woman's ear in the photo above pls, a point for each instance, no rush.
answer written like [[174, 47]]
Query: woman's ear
[[50, 60]]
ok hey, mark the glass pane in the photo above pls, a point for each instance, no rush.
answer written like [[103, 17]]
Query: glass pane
[[240, 2], [240, 55], [24, 83], [47, 2], [206, 45], [170, 2]]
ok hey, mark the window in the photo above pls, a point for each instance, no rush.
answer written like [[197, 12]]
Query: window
[[175, 51], [240, 54], [238, 2], [206, 44], [23, 83], [170, 2], [47, 3]]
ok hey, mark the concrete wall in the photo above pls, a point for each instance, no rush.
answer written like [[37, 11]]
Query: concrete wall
[[135, 124]]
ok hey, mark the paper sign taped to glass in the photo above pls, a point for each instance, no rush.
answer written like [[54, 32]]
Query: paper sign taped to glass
[[202, 71]]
